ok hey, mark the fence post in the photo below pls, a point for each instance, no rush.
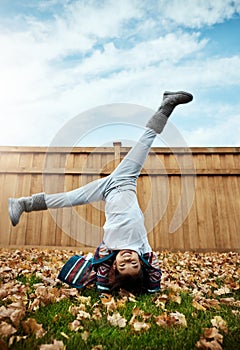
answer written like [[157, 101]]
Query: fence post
[[117, 152]]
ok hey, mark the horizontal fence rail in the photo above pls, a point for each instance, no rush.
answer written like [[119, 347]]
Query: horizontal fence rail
[[190, 197]]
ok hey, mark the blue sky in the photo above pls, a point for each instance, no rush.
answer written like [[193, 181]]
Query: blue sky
[[92, 72]]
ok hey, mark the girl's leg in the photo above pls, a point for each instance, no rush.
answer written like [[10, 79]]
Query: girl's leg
[[126, 173], [89, 193], [130, 167]]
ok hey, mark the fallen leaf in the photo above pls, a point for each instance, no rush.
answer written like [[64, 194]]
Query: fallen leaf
[[161, 300], [85, 336], [140, 326], [84, 300], [210, 339], [74, 310], [83, 315], [208, 345], [57, 345], [6, 329], [221, 291], [219, 323], [211, 303], [176, 298], [109, 302], [227, 301], [75, 325], [198, 306], [30, 326], [126, 294], [179, 318], [64, 335], [117, 320], [16, 338], [173, 319], [96, 315]]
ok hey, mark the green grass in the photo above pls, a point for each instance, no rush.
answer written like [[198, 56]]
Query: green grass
[[55, 316]]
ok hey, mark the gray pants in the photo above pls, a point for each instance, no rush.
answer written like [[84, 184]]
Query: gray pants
[[125, 176]]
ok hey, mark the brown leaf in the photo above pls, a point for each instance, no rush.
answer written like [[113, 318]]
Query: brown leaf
[[173, 319], [6, 329], [64, 335], [227, 301], [126, 294], [208, 345], [4, 312], [164, 320], [16, 338], [221, 291], [30, 326], [16, 316], [219, 323], [212, 333], [34, 305], [96, 315], [109, 302], [83, 315], [174, 296], [85, 336], [57, 345], [74, 310], [180, 319], [84, 300], [161, 300], [117, 320], [140, 326], [75, 325], [198, 306], [211, 339], [138, 313], [211, 303]]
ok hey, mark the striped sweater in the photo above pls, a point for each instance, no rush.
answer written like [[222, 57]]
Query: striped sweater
[[80, 271]]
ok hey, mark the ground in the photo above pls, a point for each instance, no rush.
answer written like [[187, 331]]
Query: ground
[[197, 307]]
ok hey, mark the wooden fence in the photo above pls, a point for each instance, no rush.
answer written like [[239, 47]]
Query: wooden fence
[[190, 197]]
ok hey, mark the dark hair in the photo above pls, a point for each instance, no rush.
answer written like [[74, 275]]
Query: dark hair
[[135, 284]]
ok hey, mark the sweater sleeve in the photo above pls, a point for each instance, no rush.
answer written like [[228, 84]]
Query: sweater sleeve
[[102, 252], [153, 270], [105, 257]]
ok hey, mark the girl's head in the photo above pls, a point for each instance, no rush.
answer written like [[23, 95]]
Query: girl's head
[[127, 272], [127, 262]]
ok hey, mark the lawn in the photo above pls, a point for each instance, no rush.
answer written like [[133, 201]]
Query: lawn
[[198, 306]]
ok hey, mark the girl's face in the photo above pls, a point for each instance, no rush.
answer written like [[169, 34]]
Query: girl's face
[[127, 262]]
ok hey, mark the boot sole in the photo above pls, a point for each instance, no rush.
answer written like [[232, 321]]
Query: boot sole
[[187, 94]]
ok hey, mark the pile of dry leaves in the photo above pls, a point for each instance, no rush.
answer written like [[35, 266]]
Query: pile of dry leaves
[[208, 278]]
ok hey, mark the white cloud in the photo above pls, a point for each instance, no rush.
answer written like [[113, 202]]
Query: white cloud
[[124, 53], [224, 133], [101, 19], [170, 48], [196, 14]]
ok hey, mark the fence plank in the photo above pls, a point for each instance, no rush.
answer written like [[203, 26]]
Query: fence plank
[[212, 223]]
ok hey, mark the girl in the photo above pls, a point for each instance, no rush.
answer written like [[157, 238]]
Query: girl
[[124, 258]]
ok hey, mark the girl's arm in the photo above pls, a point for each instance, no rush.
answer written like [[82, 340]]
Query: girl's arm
[[153, 271]]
